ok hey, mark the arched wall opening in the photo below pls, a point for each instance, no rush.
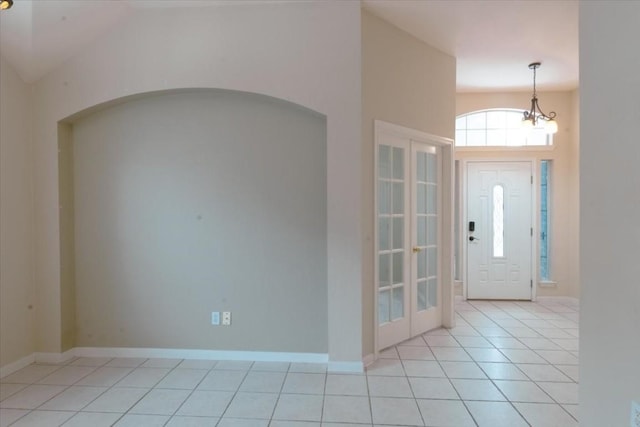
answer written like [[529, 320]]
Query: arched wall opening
[[178, 203], [319, 68]]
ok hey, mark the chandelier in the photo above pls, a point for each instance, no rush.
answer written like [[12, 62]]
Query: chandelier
[[535, 114]]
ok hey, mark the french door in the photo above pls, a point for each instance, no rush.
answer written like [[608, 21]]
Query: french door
[[499, 230], [409, 192]]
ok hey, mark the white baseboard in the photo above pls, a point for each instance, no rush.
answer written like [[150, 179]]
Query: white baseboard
[[17, 365], [558, 300], [54, 358], [170, 353], [368, 359], [351, 367], [174, 353], [547, 284]]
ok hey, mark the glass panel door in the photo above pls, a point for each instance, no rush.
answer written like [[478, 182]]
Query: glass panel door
[[392, 224], [407, 247], [425, 299], [426, 237], [391, 220]]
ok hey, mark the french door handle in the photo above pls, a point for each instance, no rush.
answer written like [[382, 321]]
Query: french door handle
[[473, 239], [416, 250]]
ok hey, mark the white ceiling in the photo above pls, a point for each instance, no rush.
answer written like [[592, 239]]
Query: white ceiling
[[493, 40]]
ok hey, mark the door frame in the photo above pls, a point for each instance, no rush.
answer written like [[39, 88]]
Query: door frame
[[535, 216], [445, 262]]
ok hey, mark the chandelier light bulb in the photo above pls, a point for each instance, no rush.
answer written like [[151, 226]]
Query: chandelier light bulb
[[526, 124], [6, 4], [551, 126]]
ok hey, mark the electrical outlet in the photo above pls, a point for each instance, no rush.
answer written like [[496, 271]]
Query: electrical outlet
[[226, 318], [635, 414], [215, 318]]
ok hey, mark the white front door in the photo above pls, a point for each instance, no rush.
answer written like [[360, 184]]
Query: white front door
[[499, 230], [408, 236]]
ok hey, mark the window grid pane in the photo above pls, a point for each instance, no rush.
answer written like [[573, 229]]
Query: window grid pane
[[384, 161], [432, 291], [422, 295], [384, 233], [477, 120], [476, 138], [397, 309], [427, 220], [383, 307], [461, 138], [384, 270], [496, 119]]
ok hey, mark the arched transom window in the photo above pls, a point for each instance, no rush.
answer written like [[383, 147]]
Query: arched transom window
[[498, 128]]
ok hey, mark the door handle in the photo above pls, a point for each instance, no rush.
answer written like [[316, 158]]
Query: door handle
[[416, 250], [472, 239]]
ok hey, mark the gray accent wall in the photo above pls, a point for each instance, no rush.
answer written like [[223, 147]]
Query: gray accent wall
[[609, 212], [197, 201]]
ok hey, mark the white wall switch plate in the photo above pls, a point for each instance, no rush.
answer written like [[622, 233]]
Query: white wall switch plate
[[635, 414], [215, 318], [226, 318]]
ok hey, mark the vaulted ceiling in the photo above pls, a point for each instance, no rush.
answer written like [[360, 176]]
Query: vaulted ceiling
[[492, 40]]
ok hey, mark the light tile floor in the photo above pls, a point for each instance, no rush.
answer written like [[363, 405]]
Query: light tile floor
[[504, 364]]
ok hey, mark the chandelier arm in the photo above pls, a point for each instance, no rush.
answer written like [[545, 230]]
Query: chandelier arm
[[550, 116], [532, 110]]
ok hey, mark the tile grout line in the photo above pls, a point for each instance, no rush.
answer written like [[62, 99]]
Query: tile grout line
[[492, 382], [284, 380], [235, 393], [438, 361], [192, 390], [536, 383], [324, 394], [61, 366], [424, 422], [128, 411], [366, 379], [504, 395]]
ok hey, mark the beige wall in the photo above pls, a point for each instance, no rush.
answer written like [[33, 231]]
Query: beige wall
[[306, 53], [16, 218], [573, 228], [564, 209], [609, 212], [198, 201], [407, 83]]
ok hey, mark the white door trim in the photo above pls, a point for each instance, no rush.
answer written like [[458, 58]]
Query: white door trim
[[534, 217], [446, 260]]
